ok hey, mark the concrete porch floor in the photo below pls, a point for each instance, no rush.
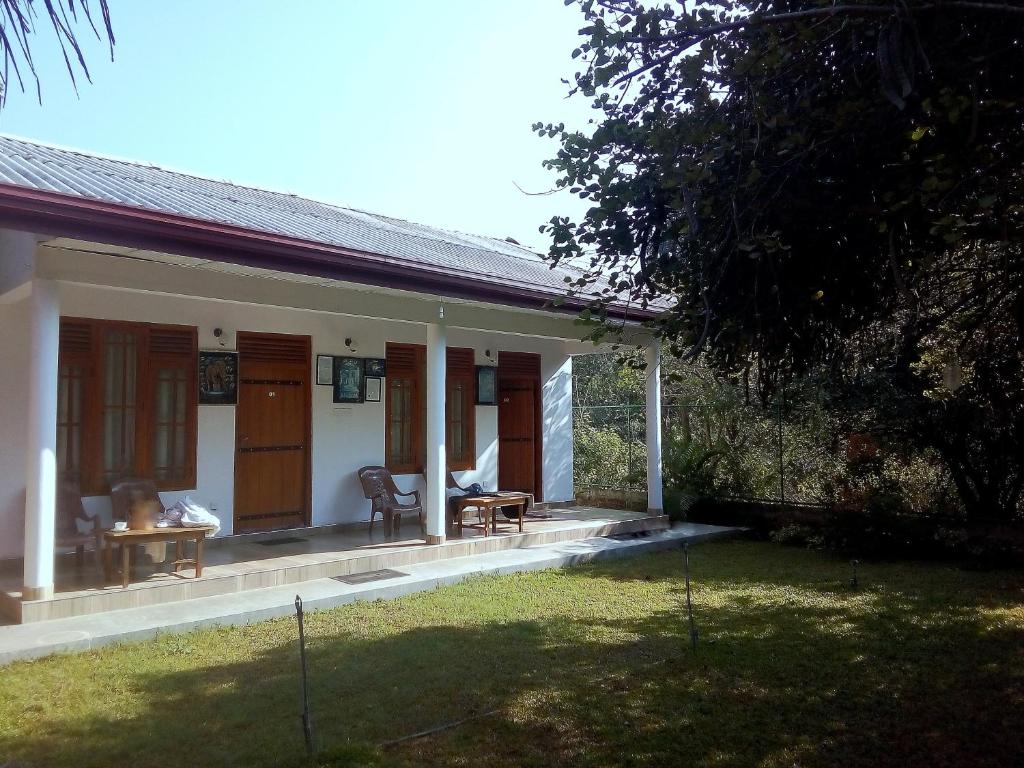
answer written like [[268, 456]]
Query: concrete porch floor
[[242, 563]]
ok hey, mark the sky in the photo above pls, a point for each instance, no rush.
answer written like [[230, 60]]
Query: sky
[[411, 109]]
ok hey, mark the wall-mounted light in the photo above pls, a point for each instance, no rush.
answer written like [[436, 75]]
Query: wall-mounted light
[[350, 345], [489, 356], [218, 334]]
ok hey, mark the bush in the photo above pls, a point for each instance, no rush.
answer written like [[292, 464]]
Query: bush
[[881, 529], [601, 457], [678, 503], [794, 535], [760, 517]]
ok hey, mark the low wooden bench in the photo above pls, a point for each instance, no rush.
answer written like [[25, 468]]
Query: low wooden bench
[[489, 505], [127, 539]]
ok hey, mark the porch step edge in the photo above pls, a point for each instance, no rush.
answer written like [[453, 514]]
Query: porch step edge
[[292, 575], [79, 633]]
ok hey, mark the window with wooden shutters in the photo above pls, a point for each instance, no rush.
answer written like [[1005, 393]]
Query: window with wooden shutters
[[171, 381], [460, 409], [127, 403], [120, 367], [74, 375], [404, 408]]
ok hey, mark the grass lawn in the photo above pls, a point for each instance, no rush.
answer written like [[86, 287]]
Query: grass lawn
[[923, 665]]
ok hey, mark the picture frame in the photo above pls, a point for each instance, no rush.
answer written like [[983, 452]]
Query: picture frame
[[218, 377], [486, 385], [371, 389], [347, 379], [375, 367], [325, 370]]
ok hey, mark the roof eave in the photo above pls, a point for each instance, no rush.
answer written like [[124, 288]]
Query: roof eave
[[57, 214]]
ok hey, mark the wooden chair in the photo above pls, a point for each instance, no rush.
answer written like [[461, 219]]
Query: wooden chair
[[123, 494], [379, 487], [69, 511], [451, 483], [128, 490]]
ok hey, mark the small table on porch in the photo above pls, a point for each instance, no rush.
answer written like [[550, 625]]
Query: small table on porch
[[126, 539], [489, 505]]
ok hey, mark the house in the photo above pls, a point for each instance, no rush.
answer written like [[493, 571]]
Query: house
[[123, 286]]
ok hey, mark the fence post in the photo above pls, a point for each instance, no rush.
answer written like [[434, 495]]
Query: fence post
[[629, 445], [689, 600], [307, 719], [782, 465]]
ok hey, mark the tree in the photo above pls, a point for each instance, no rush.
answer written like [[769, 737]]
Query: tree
[[819, 189], [18, 27]]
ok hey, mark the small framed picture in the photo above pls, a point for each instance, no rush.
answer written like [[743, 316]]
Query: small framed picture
[[375, 366], [371, 389], [218, 378], [348, 379], [486, 385], [325, 370]]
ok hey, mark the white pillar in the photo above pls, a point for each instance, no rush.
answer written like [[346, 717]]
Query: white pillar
[[653, 420], [437, 464], [41, 441]]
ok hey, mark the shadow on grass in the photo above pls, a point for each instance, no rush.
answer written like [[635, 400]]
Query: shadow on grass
[[792, 669]]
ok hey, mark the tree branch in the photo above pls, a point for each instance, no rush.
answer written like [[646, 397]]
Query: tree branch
[[686, 40], [695, 36]]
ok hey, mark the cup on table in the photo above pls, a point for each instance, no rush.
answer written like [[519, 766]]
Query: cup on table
[[121, 525]]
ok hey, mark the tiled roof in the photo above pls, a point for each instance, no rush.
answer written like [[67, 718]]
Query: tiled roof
[[69, 172]]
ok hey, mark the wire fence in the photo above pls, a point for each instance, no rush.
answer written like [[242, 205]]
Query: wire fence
[[724, 451]]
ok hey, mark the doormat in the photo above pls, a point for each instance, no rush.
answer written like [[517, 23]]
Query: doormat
[[627, 536], [283, 540], [362, 578]]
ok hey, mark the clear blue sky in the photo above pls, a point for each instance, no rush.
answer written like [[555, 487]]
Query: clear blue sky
[[412, 109]]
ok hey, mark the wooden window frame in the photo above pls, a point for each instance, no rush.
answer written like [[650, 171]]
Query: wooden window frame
[[147, 364], [460, 369], [416, 371]]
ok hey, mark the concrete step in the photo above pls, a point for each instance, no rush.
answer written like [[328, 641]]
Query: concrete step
[[136, 624], [273, 572]]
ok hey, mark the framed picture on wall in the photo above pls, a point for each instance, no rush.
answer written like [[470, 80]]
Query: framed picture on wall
[[218, 377], [348, 379], [371, 389], [325, 369], [486, 385], [375, 366]]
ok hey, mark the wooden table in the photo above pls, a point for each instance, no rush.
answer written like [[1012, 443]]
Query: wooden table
[[489, 506], [127, 539]]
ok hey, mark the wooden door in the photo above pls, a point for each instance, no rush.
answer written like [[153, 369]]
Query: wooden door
[[272, 432], [519, 430]]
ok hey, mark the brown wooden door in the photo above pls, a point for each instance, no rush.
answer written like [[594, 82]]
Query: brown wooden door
[[272, 432], [519, 432]]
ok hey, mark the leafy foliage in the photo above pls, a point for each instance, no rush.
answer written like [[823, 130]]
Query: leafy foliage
[[821, 190], [716, 440], [18, 26]]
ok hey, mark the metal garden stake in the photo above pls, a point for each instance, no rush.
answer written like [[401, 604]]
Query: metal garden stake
[[307, 720], [689, 601]]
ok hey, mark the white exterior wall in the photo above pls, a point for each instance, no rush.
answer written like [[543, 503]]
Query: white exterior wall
[[14, 365], [345, 437]]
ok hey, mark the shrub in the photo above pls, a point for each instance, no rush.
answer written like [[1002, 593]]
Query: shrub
[[795, 535]]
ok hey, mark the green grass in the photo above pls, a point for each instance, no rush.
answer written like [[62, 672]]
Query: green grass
[[923, 665]]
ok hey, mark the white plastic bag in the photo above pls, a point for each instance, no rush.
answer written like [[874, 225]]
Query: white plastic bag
[[195, 516]]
